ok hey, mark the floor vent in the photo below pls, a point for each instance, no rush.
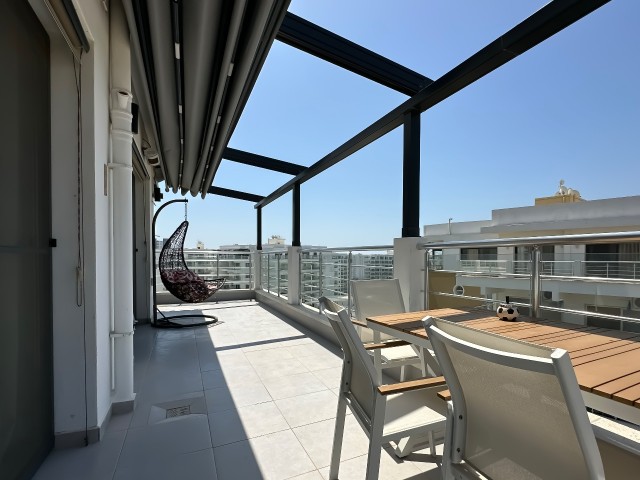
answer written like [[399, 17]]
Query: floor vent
[[192, 404], [179, 411]]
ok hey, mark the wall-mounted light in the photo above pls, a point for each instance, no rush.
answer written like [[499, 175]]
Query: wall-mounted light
[[152, 157]]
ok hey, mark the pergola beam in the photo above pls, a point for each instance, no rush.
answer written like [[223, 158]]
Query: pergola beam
[[225, 192], [261, 161], [315, 40], [544, 23]]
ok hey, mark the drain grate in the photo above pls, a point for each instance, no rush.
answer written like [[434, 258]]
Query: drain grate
[[178, 411]]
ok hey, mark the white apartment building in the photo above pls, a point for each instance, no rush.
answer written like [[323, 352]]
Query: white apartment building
[[592, 277]]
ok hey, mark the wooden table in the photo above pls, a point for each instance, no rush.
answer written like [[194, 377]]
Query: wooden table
[[606, 362]]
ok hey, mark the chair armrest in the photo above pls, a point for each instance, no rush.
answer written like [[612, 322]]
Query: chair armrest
[[215, 280], [411, 385], [445, 395], [392, 343]]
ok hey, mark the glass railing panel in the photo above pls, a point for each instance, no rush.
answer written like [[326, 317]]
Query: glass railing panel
[[578, 283], [328, 272], [275, 273], [215, 264]]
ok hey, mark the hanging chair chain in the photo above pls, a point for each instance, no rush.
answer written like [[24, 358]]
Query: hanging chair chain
[[185, 210]]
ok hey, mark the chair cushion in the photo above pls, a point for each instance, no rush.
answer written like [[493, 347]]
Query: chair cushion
[[419, 410], [397, 354]]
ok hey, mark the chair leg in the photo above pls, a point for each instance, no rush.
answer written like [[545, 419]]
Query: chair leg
[[403, 373], [405, 446], [375, 448], [423, 362], [337, 438], [432, 444]]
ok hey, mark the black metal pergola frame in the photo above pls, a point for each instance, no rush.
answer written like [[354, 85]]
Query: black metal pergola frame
[[424, 94]]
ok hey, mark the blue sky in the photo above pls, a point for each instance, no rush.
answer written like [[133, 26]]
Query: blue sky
[[569, 108]]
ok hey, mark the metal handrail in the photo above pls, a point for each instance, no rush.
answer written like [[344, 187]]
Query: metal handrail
[[592, 238], [535, 262], [346, 249]]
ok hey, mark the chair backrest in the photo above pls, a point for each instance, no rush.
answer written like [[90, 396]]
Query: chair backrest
[[517, 407], [376, 297], [359, 379]]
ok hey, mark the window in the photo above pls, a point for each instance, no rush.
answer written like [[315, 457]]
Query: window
[[479, 253]]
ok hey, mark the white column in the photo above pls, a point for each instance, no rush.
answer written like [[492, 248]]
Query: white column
[[293, 290], [121, 202], [256, 264], [408, 267]]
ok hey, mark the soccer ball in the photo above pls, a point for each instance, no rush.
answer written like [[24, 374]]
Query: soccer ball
[[507, 312]]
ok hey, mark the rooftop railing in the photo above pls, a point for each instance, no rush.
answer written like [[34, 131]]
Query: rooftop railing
[[537, 269], [275, 272], [236, 266], [329, 271]]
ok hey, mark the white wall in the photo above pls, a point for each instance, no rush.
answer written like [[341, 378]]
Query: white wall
[[80, 309], [97, 225], [68, 317]]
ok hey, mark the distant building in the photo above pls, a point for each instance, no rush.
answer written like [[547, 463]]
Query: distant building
[[275, 240], [602, 278]]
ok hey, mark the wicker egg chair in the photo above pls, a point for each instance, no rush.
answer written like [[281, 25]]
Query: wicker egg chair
[[181, 282]]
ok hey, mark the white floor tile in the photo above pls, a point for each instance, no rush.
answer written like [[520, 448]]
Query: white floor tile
[[310, 350], [315, 475], [266, 357], [172, 384], [246, 422], [171, 437], [235, 396], [329, 376], [280, 368], [391, 468], [321, 362], [293, 385], [317, 440], [212, 359], [119, 422], [96, 462], [188, 466], [230, 375], [276, 456], [309, 408]]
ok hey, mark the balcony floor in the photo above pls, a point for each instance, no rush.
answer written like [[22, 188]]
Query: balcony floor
[[261, 396]]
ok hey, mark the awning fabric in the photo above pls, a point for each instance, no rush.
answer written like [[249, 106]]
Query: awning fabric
[[201, 59]]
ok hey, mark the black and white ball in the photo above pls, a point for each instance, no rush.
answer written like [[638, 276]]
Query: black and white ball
[[507, 312]]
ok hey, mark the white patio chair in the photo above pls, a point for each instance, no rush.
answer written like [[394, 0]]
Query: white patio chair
[[515, 412], [382, 297], [385, 412]]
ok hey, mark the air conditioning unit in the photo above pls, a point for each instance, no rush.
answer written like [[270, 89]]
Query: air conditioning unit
[[635, 304], [458, 290]]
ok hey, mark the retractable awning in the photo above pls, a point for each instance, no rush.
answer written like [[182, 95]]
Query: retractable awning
[[201, 59]]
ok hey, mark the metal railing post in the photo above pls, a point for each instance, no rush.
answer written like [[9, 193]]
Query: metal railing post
[[349, 261], [535, 281], [300, 298], [427, 254], [217, 264], [268, 273], [319, 274], [278, 272]]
